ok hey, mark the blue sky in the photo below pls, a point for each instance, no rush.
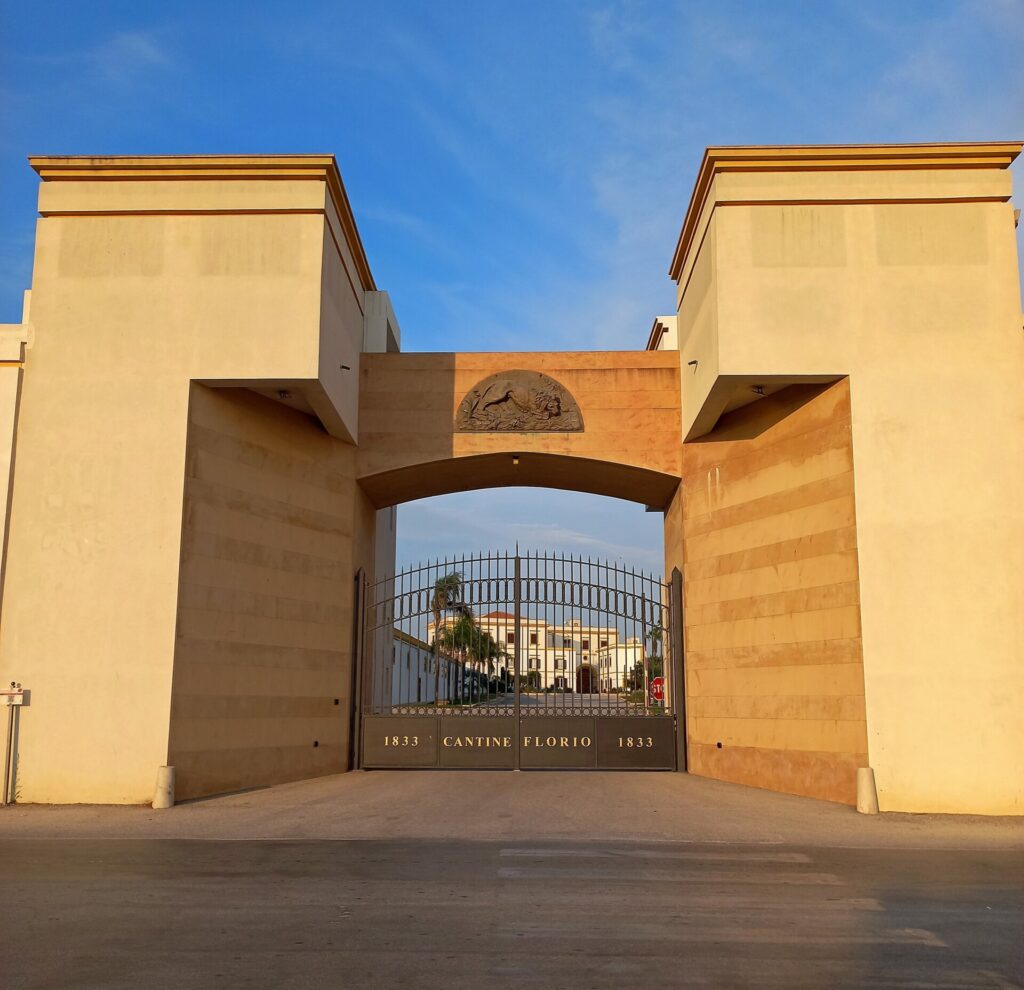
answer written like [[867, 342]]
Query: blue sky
[[518, 171]]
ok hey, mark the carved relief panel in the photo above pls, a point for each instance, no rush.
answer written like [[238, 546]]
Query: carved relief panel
[[518, 402]]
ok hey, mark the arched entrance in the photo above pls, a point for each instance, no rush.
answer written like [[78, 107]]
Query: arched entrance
[[512, 660], [520, 661], [416, 438]]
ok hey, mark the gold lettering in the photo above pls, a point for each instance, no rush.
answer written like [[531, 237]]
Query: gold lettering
[[586, 741], [551, 741], [527, 740], [447, 741], [564, 741]]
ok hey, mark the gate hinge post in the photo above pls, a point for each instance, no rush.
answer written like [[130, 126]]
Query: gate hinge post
[[678, 667]]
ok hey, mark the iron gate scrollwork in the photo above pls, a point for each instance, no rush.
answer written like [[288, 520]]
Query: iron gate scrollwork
[[521, 661]]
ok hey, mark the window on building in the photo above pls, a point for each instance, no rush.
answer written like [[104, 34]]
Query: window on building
[[585, 644], [566, 641], [533, 639], [510, 637], [604, 644]]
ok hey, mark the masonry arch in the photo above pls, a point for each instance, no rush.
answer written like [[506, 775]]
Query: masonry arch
[[628, 445], [513, 468], [435, 424]]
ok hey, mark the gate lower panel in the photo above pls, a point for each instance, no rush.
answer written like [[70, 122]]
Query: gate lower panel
[[483, 742]]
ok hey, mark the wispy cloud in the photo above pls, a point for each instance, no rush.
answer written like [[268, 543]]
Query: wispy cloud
[[121, 59], [125, 56]]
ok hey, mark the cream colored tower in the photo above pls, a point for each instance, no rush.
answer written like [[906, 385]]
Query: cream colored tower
[[186, 437], [897, 267]]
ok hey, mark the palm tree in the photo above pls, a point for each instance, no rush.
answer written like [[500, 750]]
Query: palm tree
[[655, 637], [487, 650], [457, 640], [446, 599], [465, 640]]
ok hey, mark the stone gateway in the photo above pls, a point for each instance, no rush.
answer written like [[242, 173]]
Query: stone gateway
[[208, 424]]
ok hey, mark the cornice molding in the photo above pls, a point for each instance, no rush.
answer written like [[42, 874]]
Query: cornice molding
[[833, 158], [128, 168]]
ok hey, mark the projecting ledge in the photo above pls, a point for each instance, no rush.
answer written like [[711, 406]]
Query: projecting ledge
[[729, 392], [306, 395]]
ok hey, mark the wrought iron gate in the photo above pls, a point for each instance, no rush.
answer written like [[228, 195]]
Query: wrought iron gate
[[521, 661]]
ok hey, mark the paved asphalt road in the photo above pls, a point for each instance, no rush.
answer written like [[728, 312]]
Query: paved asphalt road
[[130, 898]]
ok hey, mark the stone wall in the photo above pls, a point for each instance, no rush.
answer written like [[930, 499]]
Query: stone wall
[[775, 679], [274, 529]]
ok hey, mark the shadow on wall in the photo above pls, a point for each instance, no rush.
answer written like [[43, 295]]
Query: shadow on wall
[[775, 677], [274, 530], [751, 421]]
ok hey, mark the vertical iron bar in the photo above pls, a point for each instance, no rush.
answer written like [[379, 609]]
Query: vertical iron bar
[[643, 647], [517, 651], [678, 668], [359, 648]]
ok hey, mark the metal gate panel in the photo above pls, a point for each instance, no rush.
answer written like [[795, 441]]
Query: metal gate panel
[[521, 661]]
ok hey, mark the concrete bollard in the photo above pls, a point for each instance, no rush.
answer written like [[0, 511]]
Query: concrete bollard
[[164, 795], [867, 796]]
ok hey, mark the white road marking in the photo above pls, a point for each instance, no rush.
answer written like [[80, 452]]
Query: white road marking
[[736, 933], [710, 857], [676, 876]]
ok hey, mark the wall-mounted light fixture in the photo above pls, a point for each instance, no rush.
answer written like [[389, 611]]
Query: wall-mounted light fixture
[[757, 389], [284, 394], [515, 460]]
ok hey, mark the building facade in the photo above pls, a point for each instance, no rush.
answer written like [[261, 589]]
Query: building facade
[[412, 675], [568, 656]]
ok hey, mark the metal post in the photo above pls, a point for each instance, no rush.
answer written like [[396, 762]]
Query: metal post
[[359, 648], [517, 601], [678, 667], [7, 754], [643, 655]]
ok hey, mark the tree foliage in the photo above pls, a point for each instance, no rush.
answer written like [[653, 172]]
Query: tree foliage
[[456, 633]]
